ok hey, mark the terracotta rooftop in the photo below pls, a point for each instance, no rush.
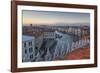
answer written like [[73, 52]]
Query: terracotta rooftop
[[32, 33], [81, 53]]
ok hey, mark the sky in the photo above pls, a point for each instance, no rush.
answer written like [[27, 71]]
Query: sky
[[53, 17]]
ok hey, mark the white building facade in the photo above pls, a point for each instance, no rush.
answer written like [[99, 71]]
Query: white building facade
[[28, 48], [49, 35]]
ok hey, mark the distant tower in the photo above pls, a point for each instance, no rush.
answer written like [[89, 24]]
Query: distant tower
[[30, 25]]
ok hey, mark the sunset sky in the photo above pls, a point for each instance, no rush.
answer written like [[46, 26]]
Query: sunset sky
[[51, 17]]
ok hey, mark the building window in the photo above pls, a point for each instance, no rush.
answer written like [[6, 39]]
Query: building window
[[30, 50], [25, 44], [36, 50], [31, 56], [22, 60], [30, 43], [25, 51]]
